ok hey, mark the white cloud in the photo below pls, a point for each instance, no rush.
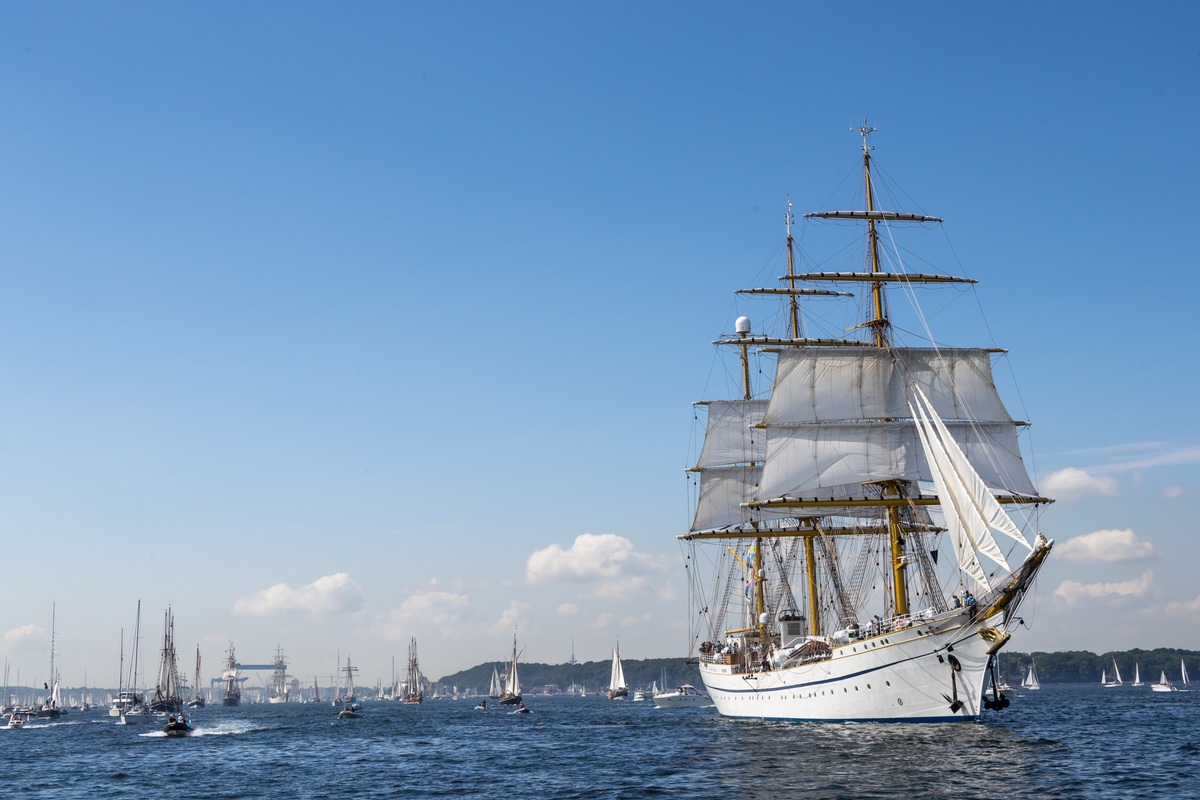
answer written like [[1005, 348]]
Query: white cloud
[[1171, 492], [16, 636], [433, 606], [608, 562], [509, 618], [568, 610], [604, 620], [328, 595], [1072, 483], [1187, 611], [1106, 546], [1073, 591]]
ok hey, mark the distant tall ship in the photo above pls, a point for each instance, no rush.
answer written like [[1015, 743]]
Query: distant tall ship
[[279, 687], [827, 498], [412, 689], [168, 696], [233, 692]]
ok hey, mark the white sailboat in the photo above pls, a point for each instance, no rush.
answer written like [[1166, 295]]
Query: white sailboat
[[1183, 671], [495, 689], [510, 693], [617, 689], [1163, 684], [1116, 681], [51, 707], [132, 709], [1031, 679], [824, 495], [197, 700], [1137, 675]]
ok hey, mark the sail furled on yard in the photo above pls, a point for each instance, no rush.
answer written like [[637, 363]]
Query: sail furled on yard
[[839, 418]]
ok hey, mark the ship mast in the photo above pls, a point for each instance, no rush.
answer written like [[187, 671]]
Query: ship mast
[[879, 326]]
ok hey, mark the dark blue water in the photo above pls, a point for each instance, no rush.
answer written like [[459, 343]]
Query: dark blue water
[[1061, 742]]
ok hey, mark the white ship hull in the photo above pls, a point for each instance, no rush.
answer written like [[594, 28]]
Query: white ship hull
[[907, 676]]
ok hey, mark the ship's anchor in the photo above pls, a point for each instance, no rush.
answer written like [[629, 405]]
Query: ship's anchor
[[997, 702], [955, 704]]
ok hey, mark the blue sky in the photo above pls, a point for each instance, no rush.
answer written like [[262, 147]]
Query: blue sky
[[330, 325]]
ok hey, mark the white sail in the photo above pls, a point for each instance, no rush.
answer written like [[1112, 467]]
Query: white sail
[[722, 493], [1183, 671], [513, 684], [1031, 679], [729, 437], [495, 688], [811, 460], [965, 547], [616, 680], [814, 385]]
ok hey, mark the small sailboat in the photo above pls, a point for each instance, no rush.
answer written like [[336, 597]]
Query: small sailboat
[[1183, 671], [1163, 684], [130, 704], [1031, 679], [1116, 681], [1137, 675], [495, 689], [347, 698], [617, 690], [197, 700], [510, 695], [51, 707]]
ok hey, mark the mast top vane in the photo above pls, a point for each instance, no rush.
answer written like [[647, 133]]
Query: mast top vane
[[865, 130]]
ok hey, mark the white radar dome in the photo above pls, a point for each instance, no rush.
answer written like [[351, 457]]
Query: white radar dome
[[742, 325]]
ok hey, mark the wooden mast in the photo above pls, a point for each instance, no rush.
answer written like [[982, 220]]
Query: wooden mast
[[879, 326]]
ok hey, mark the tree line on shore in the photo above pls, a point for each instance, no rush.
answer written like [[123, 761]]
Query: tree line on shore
[[1083, 666], [591, 675]]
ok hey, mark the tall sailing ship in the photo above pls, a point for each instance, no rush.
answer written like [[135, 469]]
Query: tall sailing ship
[[824, 502], [279, 687], [168, 694], [412, 687], [233, 691]]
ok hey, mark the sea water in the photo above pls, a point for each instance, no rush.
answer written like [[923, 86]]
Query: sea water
[[1060, 742]]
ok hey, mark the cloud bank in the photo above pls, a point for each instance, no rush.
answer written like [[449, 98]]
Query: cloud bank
[[331, 594], [1072, 483], [1073, 592], [1107, 546], [609, 563]]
